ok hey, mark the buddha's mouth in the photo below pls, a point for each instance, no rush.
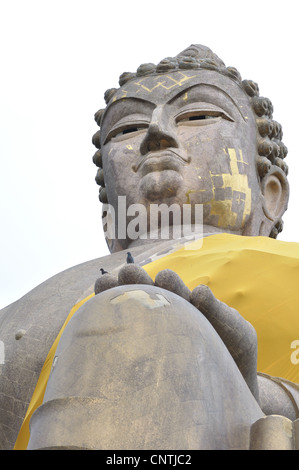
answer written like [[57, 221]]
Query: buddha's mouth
[[160, 161]]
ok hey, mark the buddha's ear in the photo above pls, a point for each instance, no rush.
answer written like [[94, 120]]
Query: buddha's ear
[[275, 196]]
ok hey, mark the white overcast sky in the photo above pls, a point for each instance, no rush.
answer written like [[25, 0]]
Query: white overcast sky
[[58, 57]]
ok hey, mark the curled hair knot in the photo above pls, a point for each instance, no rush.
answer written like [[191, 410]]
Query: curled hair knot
[[125, 77], [276, 229], [98, 116], [262, 106], [265, 148], [146, 69], [281, 164], [251, 88], [103, 196], [97, 159], [96, 139], [188, 62], [100, 178], [233, 73], [109, 94], [265, 127], [167, 64], [263, 166]]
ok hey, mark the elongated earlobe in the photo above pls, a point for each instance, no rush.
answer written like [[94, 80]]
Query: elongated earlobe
[[266, 217], [275, 192]]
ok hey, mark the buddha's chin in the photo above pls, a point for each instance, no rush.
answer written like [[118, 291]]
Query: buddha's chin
[[159, 186]]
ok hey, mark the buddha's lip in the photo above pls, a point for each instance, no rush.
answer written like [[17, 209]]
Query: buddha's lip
[[161, 159]]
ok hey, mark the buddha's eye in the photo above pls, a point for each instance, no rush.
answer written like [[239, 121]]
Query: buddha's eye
[[130, 130], [201, 117], [119, 133], [198, 117]]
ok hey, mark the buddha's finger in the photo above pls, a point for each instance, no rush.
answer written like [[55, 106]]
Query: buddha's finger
[[169, 280]]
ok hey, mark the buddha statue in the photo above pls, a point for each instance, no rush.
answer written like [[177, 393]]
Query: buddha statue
[[190, 346]]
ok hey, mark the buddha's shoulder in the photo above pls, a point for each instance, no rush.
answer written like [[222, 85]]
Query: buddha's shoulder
[[60, 291], [45, 308], [40, 313]]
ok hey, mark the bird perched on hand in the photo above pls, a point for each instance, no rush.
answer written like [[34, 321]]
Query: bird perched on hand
[[103, 271], [130, 258]]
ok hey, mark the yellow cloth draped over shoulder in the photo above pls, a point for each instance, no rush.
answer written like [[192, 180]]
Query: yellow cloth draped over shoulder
[[257, 276]]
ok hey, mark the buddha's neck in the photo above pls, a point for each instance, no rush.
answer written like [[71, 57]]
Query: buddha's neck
[[174, 234]]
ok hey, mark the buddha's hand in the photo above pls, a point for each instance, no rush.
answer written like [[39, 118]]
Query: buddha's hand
[[133, 274], [238, 335]]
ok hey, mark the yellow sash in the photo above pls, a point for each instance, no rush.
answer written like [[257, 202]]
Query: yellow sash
[[257, 276], [38, 394]]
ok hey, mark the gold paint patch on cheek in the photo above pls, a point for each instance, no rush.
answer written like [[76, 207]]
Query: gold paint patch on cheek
[[223, 209], [234, 210]]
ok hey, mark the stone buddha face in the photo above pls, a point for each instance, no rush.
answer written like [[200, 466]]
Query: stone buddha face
[[189, 137]]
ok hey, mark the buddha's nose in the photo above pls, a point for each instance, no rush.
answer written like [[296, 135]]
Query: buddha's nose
[[159, 135]]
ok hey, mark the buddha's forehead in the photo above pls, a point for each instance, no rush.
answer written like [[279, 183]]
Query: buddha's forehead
[[162, 88]]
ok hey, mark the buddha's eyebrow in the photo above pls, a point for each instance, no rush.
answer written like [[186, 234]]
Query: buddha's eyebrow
[[123, 107], [129, 102], [203, 95]]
